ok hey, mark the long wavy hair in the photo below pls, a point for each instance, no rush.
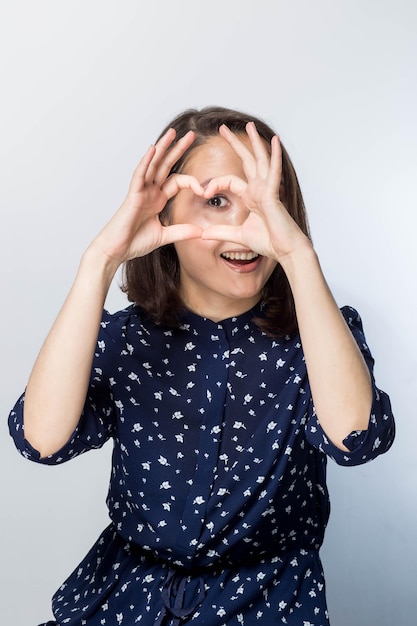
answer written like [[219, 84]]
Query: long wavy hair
[[152, 281]]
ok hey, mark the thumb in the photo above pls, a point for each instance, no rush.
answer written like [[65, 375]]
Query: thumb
[[180, 232], [223, 232]]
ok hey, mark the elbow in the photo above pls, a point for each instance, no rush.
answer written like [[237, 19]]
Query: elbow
[[41, 439], [340, 429], [345, 420]]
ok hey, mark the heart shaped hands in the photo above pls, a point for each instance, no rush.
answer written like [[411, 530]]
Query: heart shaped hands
[[269, 230]]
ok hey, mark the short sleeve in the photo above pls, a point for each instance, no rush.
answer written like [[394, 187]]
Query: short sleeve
[[363, 445], [96, 424]]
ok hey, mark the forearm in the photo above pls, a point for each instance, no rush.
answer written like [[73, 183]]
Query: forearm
[[58, 384], [339, 378]]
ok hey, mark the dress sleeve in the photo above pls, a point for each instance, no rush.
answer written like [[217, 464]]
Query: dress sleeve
[[363, 445], [96, 422]]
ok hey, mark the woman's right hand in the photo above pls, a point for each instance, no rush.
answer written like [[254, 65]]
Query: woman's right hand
[[57, 387], [135, 229]]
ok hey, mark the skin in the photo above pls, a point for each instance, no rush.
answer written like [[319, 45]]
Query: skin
[[214, 283], [246, 175]]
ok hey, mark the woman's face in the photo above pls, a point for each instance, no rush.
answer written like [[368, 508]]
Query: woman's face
[[218, 279]]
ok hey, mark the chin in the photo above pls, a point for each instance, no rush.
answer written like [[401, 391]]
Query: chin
[[252, 294]]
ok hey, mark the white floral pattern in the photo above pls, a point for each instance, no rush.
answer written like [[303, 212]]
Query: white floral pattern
[[218, 495]]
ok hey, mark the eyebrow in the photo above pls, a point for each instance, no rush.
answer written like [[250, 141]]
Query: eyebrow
[[206, 182]]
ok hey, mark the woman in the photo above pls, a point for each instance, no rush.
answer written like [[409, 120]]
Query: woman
[[225, 386]]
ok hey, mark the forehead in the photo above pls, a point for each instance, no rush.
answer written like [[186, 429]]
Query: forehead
[[215, 158]]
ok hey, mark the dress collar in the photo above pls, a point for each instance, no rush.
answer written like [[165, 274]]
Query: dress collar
[[231, 327]]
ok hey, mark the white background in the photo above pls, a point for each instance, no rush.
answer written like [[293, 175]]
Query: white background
[[86, 86]]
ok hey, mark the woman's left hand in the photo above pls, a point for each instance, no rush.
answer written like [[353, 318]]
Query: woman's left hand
[[268, 229]]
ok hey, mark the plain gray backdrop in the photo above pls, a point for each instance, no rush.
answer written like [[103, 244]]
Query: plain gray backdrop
[[86, 87]]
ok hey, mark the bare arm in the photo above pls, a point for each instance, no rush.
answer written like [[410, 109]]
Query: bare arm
[[339, 378], [58, 384]]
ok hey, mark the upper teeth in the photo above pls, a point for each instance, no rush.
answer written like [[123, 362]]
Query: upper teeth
[[240, 256]]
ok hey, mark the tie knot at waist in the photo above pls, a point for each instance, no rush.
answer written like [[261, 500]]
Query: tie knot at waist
[[181, 595]]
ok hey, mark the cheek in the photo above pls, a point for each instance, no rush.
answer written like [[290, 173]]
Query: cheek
[[270, 265]]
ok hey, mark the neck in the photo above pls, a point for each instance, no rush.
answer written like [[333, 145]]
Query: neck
[[218, 311]]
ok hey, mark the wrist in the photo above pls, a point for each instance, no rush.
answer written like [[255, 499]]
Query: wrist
[[98, 266], [300, 258]]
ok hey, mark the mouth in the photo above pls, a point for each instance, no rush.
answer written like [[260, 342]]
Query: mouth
[[239, 259]]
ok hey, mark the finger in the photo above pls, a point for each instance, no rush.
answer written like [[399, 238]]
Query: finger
[[275, 175], [161, 148], [223, 232], [174, 183], [138, 176], [172, 156], [146, 167], [225, 183], [180, 232], [246, 156], [259, 149]]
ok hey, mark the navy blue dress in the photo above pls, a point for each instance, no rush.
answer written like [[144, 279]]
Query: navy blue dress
[[218, 498]]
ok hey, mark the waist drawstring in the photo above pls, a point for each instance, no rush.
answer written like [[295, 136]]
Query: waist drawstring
[[173, 591]]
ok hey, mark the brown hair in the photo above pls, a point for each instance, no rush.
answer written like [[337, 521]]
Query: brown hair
[[152, 281]]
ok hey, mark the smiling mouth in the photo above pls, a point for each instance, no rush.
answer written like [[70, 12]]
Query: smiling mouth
[[240, 258]]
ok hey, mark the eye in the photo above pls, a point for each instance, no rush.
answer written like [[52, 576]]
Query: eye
[[218, 202]]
